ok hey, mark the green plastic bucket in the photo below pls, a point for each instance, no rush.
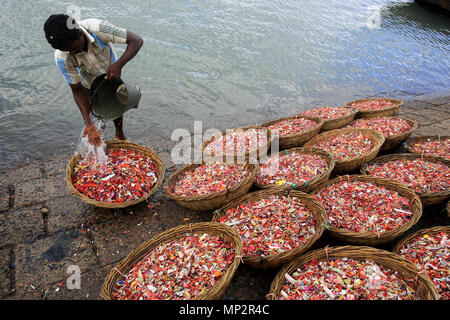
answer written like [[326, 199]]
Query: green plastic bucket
[[111, 98]]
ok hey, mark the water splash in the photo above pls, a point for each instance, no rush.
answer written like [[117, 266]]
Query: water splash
[[96, 156]]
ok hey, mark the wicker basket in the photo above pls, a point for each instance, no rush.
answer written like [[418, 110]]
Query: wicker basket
[[410, 238], [296, 139], [413, 140], [388, 112], [371, 238], [393, 141], [424, 287], [351, 164], [214, 200], [275, 260], [339, 122], [213, 228], [117, 144], [310, 184], [238, 157], [427, 198]]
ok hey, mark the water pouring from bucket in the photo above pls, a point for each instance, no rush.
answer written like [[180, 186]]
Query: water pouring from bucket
[[90, 153], [109, 99]]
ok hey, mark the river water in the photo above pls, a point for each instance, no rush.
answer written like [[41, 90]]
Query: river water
[[221, 62]]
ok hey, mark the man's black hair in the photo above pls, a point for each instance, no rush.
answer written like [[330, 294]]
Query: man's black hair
[[60, 30]]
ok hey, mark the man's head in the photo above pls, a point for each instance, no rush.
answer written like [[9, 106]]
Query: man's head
[[63, 33]]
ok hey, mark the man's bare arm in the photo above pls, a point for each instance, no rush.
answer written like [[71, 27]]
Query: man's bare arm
[[81, 97], [134, 44]]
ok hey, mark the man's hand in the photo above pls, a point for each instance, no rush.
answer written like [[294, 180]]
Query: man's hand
[[93, 135], [114, 71]]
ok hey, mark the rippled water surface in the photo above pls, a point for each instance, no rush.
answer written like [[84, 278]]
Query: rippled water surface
[[220, 62]]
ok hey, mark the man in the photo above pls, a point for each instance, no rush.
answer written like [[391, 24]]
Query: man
[[84, 51]]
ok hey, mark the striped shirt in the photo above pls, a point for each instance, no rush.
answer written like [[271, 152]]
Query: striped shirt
[[84, 67]]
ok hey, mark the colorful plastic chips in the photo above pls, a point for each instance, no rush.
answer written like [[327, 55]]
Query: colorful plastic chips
[[237, 142], [430, 252], [181, 269], [293, 126], [388, 126], [363, 206], [291, 168], [271, 225], [345, 279], [346, 145], [419, 175], [375, 104], [127, 175], [328, 113], [209, 178], [439, 147]]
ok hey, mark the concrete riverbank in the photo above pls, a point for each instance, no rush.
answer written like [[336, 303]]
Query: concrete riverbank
[[44, 229]]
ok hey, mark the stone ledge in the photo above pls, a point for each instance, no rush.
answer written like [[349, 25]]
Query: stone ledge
[[6, 272], [31, 192], [28, 172], [46, 260], [5, 197], [21, 225]]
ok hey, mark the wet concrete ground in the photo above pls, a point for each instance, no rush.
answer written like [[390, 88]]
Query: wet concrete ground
[[37, 247]]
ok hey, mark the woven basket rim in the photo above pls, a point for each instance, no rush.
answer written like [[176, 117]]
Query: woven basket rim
[[368, 237], [400, 156], [414, 126], [225, 232], [274, 260], [308, 150], [381, 257], [318, 120], [409, 238], [116, 144], [352, 111], [398, 104], [395, 140], [225, 155], [338, 123], [251, 168], [412, 140], [375, 136]]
